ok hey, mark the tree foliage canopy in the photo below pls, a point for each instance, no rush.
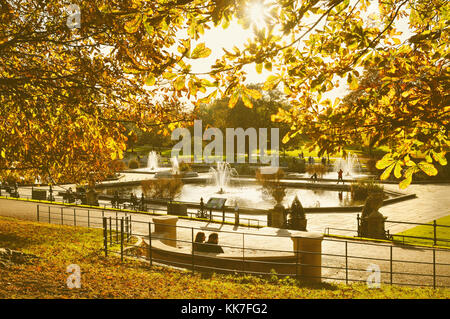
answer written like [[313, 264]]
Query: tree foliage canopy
[[66, 93]]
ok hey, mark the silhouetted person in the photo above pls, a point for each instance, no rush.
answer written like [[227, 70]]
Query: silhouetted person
[[70, 196], [50, 191], [212, 244], [133, 201], [16, 191], [314, 177], [142, 202], [340, 179], [115, 201]]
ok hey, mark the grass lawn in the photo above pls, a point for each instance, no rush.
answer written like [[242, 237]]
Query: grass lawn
[[428, 232], [60, 246]]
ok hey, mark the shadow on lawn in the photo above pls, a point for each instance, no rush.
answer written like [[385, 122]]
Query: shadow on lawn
[[12, 241]]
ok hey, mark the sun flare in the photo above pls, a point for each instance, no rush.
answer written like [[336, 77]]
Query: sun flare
[[258, 13]]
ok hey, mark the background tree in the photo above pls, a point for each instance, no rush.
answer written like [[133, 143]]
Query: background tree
[[218, 113], [66, 94]]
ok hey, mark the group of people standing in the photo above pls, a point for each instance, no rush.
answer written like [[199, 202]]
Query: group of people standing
[[340, 177], [311, 160]]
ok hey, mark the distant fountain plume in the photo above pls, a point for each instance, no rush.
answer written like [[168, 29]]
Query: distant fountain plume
[[175, 165], [349, 165], [222, 174], [153, 161]]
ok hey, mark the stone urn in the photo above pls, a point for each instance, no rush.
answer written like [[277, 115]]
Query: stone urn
[[277, 216], [91, 197], [371, 206], [297, 216], [375, 225]]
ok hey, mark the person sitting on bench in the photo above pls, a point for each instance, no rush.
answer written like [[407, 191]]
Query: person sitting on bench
[[212, 245], [199, 243]]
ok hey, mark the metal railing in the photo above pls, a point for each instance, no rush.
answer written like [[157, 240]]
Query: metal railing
[[250, 222], [338, 264], [243, 221], [434, 239], [347, 266], [91, 218]]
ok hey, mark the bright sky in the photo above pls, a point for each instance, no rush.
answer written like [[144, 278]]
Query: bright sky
[[218, 38]]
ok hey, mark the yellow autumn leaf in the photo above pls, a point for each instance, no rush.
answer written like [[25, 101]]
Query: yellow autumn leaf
[[179, 83], [428, 168], [150, 80], [387, 172], [200, 51], [385, 161], [405, 183], [233, 99], [253, 93], [398, 170], [247, 101]]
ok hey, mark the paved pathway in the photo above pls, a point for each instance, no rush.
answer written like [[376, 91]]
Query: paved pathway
[[432, 202]]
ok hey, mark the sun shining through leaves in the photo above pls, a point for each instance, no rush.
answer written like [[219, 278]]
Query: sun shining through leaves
[[258, 13]]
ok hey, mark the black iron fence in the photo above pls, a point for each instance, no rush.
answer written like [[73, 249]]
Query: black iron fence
[[437, 237], [91, 218], [216, 218], [342, 260], [239, 220]]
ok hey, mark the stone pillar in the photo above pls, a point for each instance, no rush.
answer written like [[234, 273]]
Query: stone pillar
[[165, 226], [309, 247], [277, 216], [236, 215]]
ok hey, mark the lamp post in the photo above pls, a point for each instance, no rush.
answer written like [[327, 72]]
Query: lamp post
[[51, 193]]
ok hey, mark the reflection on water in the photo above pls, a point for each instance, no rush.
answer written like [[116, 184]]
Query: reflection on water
[[251, 196]]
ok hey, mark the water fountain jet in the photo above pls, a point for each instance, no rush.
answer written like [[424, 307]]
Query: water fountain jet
[[221, 175], [175, 165], [349, 165], [153, 161]]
